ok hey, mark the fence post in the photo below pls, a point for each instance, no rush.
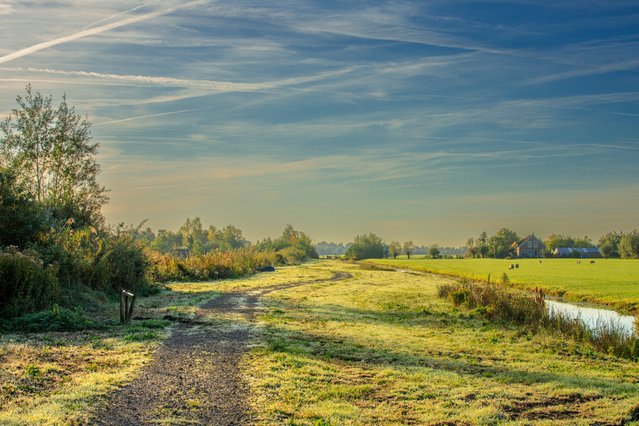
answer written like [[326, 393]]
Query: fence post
[[126, 309]]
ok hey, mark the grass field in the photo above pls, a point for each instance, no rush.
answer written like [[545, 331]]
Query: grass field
[[379, 348], [613, 282]]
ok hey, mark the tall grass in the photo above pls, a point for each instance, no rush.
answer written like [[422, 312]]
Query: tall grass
[[529, 309], [210, 266]]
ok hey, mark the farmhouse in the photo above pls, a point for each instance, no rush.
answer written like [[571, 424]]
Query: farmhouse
[[580, 252], [530, 246]]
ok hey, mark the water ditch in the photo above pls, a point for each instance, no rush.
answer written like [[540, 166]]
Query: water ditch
[[592, 317]]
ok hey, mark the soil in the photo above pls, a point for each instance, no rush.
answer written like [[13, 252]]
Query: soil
[[195, 377]]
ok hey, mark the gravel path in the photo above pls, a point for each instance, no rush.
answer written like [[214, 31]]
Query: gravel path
[[195, 377]]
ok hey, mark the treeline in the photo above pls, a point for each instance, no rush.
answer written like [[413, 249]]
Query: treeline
[[372, 246], [197, 253], [611, 245], [55, 247]]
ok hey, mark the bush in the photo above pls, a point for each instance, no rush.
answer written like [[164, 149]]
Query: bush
[[366, 246], [55, 319], [25, 285], [210, 266], [121, 264]]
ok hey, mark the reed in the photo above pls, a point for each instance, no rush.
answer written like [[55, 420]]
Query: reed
[[529, 309]]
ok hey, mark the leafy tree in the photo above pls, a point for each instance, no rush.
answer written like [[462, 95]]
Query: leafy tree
[[167, 241], [366, 246], [409, 247], [21, 219], [434, 251], [558, 240], [471, 248], [51, 152], [609, 244], [483, 244], [629, 245], [394, 249], [501, 242], [296, 244], [231, 238], [194, 237]]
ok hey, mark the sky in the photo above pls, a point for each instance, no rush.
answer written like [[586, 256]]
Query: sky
[[429, 121]]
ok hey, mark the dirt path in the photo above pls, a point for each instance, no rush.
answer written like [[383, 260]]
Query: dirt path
[[195, 377]]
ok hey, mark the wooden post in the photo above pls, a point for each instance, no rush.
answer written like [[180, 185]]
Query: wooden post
[[130, 313], [121, 305], [126, 309]]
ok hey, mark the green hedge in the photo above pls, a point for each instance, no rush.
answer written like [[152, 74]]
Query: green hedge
[[25, 285]]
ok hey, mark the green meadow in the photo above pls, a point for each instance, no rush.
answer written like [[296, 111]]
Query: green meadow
[[376, 348], [381, 348], [613, 282]]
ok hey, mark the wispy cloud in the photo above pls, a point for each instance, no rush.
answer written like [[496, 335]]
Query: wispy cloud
[[586, 71], [210, 85], [91, 31]]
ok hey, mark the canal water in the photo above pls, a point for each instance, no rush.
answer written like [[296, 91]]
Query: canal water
[[593, 318]]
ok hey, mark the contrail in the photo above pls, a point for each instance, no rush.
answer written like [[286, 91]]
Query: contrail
[[216, 85], [133, 9], [148, 116], [89, 32]]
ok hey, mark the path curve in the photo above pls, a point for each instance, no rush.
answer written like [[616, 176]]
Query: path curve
[[195, 376]]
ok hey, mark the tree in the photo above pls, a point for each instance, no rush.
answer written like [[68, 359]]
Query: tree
[[484, 249], [194, 237], [394, 249], [409, 247], [366, 246], [51, 153], [297, 244], [629, 245], [483, 244], [20, 216], [471, 248], [558, 240], [501, 242], [609, 244], [434, 251]]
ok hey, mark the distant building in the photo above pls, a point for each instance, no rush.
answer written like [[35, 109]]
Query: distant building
[[577, 252], [531, 246]]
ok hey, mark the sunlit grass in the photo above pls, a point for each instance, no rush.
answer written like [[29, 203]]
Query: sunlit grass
[[378, 348], [613, 282], [56, 378], [381, 348]]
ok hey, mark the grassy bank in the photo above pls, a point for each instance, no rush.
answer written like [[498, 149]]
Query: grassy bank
[[613, 282]]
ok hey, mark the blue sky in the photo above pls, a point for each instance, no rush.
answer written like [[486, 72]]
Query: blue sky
[[422, 120]]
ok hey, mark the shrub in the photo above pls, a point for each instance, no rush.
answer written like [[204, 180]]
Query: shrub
[[210, 266], [54, 319], [25, 285], [121, 263]]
